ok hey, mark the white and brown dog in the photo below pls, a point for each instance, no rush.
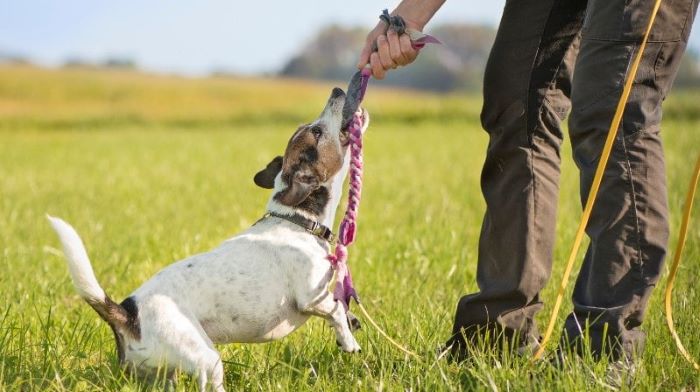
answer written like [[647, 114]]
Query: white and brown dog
[[258, 286]]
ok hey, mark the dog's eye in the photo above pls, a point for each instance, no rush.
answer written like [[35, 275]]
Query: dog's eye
[[317, 131]]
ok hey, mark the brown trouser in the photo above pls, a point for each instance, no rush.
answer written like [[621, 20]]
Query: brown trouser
[[529, 88]]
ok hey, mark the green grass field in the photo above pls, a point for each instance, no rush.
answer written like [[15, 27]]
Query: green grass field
[[150, 169]]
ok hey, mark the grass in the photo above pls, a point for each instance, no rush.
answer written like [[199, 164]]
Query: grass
[[152, 169]]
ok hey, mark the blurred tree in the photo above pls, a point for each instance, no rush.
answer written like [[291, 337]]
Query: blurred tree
[[109, 62], [77, 62], [119, 63], [456, 65], [331, 54], [11, 58]]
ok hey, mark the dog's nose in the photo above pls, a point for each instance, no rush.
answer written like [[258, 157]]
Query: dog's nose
[[337, 93]]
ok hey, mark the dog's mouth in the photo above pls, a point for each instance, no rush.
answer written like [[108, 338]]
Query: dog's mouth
[[332, 115], [336, 101]]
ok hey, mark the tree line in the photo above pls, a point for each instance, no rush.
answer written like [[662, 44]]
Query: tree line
[[457, 65]]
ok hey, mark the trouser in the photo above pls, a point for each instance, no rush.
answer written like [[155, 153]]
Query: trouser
[[529, 88]]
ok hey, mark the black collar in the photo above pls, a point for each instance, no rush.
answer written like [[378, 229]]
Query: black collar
[[309, 225]]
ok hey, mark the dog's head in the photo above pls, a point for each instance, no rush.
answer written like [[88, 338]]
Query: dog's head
[[314, 155]]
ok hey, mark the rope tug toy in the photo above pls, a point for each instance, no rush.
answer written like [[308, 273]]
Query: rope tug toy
[[353, 120]]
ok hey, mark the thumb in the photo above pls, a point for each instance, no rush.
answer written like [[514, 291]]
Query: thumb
[[364, 56]]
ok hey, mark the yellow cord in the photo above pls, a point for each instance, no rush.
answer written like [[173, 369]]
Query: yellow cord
[[385, 335], [600, 170], [677, 260]]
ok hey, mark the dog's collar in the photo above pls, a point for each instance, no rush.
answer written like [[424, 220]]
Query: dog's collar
[[309, 225]]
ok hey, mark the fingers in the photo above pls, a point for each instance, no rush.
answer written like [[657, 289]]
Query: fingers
[[392, 51], [385, 52], [369, 47], [407, 50], [364, 55], [378, 70], [395, 50]]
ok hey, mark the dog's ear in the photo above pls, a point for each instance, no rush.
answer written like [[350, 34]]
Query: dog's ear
[[302, 184], [265, 178]]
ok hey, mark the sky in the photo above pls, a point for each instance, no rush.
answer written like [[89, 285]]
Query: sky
[[196, 37]]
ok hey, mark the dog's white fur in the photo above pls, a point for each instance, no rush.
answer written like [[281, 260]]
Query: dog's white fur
[[255, 287]]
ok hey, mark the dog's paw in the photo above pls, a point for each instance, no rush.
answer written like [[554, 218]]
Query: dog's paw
[[350, 346], [365, 119], [353, 322]]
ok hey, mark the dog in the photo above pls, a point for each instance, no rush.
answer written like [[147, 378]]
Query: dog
[[256, 287]]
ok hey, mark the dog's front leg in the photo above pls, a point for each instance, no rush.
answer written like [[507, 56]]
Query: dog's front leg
[[333, 311]]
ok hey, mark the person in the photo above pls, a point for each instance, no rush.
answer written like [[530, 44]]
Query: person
[[530, 87]]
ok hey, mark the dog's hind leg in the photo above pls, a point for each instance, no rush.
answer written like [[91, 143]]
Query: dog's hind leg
[[333, 311]]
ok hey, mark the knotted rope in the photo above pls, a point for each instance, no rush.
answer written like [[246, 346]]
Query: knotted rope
[[344, 289]]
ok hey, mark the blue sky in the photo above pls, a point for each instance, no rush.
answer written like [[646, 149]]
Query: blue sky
[[194, 37]]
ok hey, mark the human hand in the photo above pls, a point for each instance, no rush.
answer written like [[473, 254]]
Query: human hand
[[384, 49]]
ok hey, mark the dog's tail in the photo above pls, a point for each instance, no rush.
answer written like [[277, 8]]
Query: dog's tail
[[121, 317]]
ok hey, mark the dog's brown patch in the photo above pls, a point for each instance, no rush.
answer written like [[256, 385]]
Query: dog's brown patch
[[310, 159], [316, 202], [122, 318], [132, 317], [265, 178]]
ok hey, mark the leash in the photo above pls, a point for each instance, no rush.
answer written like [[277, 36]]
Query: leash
[[677, 260]]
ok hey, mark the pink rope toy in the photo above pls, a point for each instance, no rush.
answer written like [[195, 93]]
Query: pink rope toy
[[344, 289]]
